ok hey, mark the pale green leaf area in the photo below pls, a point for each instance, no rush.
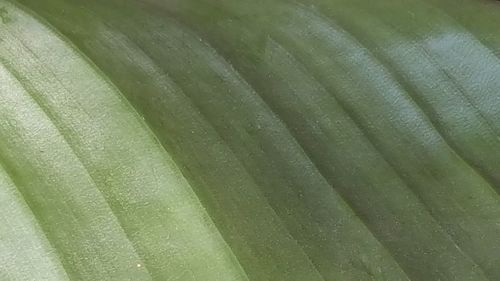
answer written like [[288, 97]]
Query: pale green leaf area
[[264, 140]]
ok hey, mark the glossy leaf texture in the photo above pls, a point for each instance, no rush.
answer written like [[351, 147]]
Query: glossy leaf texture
[[256, 140]]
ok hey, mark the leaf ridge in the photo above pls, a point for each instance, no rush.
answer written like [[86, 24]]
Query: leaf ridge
[[134, 111], [47, 113], [357, 122], [4, 167], [406, 185], [235, 155]]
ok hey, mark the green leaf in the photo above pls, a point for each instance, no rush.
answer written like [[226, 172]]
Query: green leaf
[[249, 140]]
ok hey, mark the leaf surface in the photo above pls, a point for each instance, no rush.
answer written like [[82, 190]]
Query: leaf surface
[[249, 140]]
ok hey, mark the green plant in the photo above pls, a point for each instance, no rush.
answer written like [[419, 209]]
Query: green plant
[[249, 140]]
